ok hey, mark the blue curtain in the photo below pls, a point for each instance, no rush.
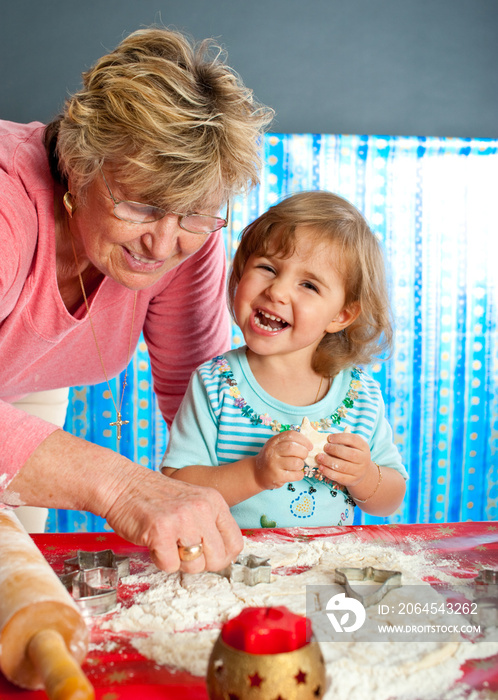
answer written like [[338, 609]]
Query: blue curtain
[[431, 201]]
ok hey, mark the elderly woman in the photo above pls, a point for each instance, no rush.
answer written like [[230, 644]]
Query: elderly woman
[[109, 226]]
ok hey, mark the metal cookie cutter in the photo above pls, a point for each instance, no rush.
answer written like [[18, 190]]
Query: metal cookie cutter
[[388, 579], [92, 578], [485, 579], [250, 570], [93, 560], [486, 597]]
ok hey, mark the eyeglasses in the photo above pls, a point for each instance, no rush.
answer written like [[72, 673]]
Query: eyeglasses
[[137, 213]]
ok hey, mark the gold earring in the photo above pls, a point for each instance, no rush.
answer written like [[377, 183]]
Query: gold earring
[[68, 203]]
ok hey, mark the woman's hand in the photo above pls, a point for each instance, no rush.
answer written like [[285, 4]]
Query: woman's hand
[[142, 506], [281, 460], [159, 513]]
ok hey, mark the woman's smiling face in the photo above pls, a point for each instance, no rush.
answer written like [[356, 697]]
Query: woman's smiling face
[[286, 305], [134, 255]]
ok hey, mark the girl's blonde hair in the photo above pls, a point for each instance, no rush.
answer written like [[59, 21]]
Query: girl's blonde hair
[[359, 261], [174, 122]]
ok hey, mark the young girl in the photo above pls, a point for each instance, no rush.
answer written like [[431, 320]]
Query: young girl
[[308, 291]]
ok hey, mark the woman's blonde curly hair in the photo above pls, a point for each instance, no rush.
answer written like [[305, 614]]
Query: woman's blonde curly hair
[[357, 257], [168, 116]]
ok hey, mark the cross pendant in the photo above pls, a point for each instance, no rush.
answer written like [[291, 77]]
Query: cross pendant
[[118, 423]]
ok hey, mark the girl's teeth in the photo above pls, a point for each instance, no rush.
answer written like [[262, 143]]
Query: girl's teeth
[[278, 325], [262, 325], [270, 316]]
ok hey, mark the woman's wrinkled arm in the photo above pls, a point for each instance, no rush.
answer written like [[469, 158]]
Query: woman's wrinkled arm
[[142, 506]]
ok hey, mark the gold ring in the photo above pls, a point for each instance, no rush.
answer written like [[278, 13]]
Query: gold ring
[[189, 553]]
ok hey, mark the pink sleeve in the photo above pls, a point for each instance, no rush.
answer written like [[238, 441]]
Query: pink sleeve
[[20, 433], [24, 434], [18, 237], [188, 323]]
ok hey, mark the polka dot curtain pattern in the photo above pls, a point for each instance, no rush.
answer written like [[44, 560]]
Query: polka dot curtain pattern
[[431, 202]]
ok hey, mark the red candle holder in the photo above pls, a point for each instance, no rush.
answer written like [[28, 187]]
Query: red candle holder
[[266, 653]]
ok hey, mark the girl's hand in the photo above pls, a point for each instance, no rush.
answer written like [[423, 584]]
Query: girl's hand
[[281, 460], [346, 459]]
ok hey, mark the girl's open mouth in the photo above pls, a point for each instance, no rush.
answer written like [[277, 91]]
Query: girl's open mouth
[[269, 322]]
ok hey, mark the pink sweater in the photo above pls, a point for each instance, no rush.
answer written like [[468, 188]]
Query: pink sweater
[[42, 346]]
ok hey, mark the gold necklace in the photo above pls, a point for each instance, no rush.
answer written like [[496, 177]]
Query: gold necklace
[[319, 387], [119, 421]]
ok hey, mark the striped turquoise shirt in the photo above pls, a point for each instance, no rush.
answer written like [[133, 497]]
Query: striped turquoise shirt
[[226, 416]]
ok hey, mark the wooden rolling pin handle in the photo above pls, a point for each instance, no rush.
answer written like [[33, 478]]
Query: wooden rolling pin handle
[[61, 673]]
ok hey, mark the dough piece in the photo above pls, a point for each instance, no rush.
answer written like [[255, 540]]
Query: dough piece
[[318, 440]]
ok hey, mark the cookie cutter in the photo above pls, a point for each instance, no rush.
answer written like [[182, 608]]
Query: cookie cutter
[[485, 579], [486, 597], [250, 570], [92, 579], [388, 579], [93, 560]]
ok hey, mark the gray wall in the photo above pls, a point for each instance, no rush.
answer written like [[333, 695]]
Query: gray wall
[[413, 67]]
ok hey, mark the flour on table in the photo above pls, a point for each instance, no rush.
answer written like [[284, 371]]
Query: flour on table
[[182, 614]]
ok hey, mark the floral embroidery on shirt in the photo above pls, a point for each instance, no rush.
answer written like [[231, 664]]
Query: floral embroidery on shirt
[[335, 418]]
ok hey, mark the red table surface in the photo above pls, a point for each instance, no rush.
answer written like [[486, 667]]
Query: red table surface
[[461, 548]]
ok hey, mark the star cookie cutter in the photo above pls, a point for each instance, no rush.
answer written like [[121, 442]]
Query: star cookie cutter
[[388, 579], [92, 579], [250, 570], [93, 560]]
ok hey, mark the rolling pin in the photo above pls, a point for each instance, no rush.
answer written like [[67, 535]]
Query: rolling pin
[[43, 637]]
